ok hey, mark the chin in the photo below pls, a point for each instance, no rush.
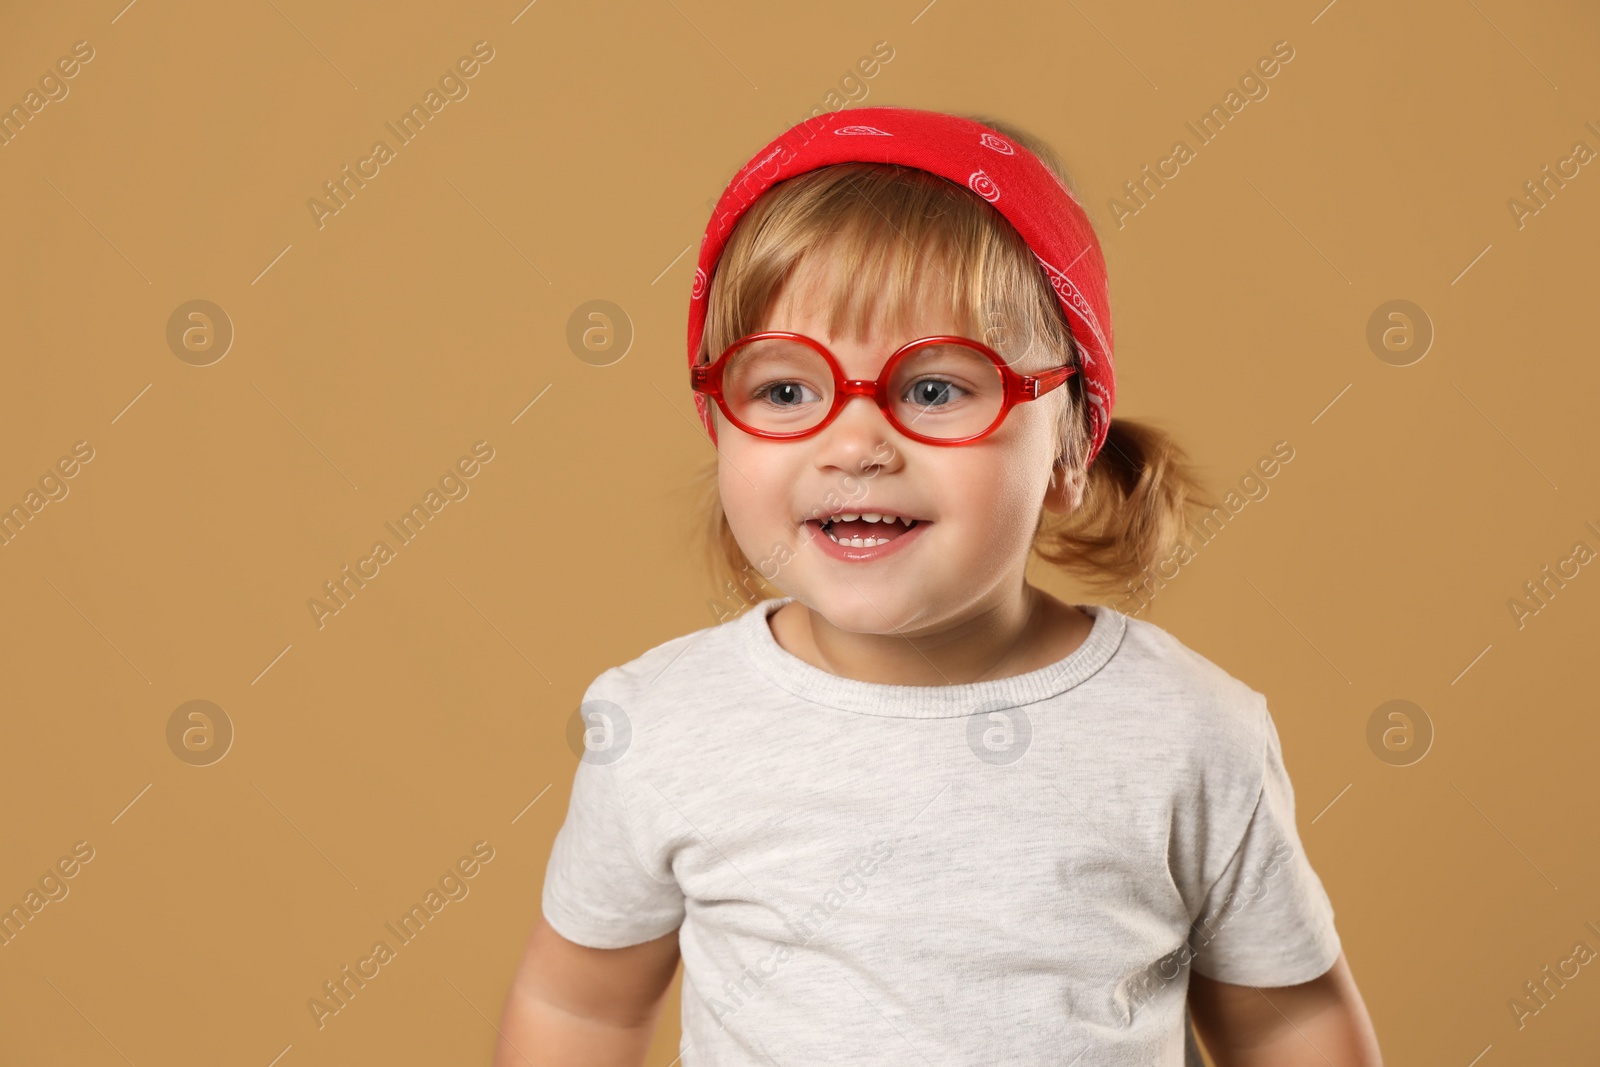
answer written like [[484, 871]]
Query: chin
[[863, 610]]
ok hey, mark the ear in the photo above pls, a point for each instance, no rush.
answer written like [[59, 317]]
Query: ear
[[1065, 492]]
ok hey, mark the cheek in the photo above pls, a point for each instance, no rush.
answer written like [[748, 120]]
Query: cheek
[[995, 496], [1011, 508], [737, 501], [751, 481], [994, 491]]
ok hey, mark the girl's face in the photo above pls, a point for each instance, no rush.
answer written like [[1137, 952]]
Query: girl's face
[[976, 505]]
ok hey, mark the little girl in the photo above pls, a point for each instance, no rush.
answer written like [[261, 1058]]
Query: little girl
[[914, 809]]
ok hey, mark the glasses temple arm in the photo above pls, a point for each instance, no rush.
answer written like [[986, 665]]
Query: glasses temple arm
[[1036, 385]]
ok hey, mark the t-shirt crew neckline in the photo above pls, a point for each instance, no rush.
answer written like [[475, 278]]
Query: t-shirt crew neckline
[[755, 640]]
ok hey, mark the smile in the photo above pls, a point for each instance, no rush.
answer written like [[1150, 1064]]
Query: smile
[[866, 531], [861, 537]]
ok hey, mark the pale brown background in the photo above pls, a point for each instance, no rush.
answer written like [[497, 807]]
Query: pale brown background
[[428, 314]]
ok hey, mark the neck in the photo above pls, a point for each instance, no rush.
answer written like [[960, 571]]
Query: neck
[[1020, 631]]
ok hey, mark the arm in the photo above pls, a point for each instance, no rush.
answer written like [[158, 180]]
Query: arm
[[1316, 1023], [572, 1004]]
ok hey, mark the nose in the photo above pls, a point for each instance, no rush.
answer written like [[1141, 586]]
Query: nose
[[859, 439]]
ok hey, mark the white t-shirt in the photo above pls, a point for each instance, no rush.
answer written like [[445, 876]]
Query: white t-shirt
[[1013, 871]]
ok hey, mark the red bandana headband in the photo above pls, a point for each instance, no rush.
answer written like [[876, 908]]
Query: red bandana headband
[[1007, 175]]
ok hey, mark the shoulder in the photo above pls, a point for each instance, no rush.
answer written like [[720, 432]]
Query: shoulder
[[1189, 698], [685, 671]]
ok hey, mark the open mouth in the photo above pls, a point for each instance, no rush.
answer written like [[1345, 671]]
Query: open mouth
[[867, 530]]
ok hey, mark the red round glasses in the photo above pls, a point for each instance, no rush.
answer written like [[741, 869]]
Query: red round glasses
[[940, 390]]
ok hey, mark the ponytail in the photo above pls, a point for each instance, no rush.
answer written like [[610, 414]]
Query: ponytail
[[1136, 500]]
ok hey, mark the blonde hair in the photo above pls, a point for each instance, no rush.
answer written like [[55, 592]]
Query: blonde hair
[[922, 238]]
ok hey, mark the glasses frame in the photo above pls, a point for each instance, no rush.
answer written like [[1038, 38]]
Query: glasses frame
[[1018, 388]]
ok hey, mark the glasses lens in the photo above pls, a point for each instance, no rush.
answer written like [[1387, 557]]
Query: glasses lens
[[947, 390], [777, 385]]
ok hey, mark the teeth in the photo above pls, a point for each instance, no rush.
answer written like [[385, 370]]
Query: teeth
[[859, 542], [868, 517]]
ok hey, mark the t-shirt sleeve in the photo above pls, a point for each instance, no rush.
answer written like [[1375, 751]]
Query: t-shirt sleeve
[[597, 890], [1267, 920]]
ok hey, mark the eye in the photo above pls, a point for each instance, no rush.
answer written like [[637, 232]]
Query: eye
[[934, 392], [784, 394]]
